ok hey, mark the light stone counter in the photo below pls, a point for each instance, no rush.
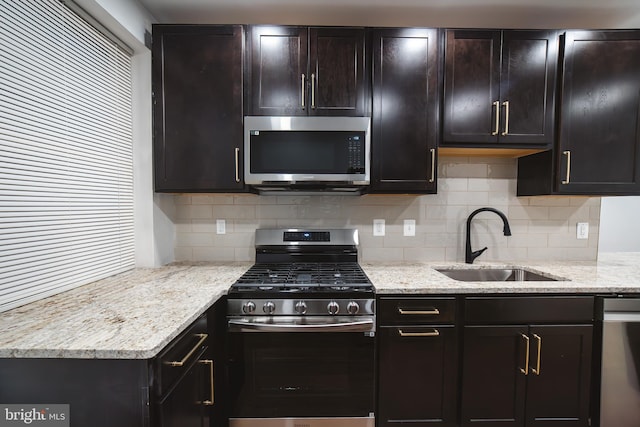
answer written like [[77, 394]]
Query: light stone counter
[[132, 315], [136, 314], [612, 273]]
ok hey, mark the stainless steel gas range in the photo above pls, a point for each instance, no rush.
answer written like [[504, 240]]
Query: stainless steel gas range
[[301, 328]]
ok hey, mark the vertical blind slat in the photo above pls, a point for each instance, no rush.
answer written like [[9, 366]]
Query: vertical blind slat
[[66, 154]]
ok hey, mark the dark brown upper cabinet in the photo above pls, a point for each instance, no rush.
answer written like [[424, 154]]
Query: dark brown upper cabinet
[[405, 110], [598, 149], [197, 108], [299, 71], [500, 88]]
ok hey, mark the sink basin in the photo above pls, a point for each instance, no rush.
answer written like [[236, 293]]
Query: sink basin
[[494, 275]]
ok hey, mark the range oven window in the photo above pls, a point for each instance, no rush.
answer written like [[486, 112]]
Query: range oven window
[[302, 374]]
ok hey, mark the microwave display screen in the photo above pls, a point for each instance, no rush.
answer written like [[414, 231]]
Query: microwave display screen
[[307, 152]]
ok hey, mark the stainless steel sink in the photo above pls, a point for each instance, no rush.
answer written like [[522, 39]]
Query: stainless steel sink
[[494, 275]]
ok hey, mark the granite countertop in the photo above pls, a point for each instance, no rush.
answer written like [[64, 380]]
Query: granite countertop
[[131, 315], [612, 273], [134, 315]]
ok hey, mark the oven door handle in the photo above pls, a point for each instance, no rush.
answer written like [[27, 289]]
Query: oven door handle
[[238, 325]]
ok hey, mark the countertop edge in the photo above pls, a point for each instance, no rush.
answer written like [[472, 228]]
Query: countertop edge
[[114, 318], [141, 354]]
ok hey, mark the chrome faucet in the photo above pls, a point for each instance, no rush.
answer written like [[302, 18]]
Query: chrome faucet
[[471, 255]]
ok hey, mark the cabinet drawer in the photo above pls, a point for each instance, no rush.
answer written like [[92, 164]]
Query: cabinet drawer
[[181, 354], [491, 310], [412, 310]]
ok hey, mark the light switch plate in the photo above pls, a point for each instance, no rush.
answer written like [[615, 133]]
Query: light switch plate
[[582, 230], [409, 227], [221, 226], [378, 227]]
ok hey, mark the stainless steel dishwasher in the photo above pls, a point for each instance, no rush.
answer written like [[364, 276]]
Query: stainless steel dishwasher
[[620, 392]]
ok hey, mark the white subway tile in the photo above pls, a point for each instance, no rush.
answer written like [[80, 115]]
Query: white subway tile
[[381, 254], [424, 254], [213, 254], [183, 253]]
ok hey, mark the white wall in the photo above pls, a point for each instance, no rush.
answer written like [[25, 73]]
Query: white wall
[[620, 224], [154, 232]]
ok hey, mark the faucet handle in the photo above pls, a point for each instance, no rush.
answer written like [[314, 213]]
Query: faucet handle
[[476, 254]]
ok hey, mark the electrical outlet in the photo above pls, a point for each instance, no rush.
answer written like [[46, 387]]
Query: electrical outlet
[[582, 230], [378, 227], [221, 226], [409, 227]]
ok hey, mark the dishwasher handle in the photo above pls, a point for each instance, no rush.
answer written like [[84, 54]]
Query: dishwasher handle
[[624, 317], [621, 310]]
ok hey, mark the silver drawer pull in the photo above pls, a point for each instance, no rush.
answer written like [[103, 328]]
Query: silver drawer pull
[[431, 312], [203, 338], [433, 333]]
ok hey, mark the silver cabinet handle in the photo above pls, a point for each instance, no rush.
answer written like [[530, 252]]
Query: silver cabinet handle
[[506, 118], [313, 90], [537, 368], [433, 333], [496, 104], [568, 154], [237, 164], [526, 356], [294, 325], [432, 178], [211, 399], [432, 311], [302, 91]]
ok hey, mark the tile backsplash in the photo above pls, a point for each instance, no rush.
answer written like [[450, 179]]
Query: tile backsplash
[[543, 228]]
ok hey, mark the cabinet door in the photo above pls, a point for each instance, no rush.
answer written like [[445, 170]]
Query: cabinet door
[[417, 378], [405, 111], [279, 76], [182, 407], [338, 76], [493, 381], [528, 87], [197, 108], [599, 149], [558, 387], [472, 87]]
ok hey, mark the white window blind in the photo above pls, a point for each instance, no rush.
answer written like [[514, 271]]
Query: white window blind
[[66, 167]]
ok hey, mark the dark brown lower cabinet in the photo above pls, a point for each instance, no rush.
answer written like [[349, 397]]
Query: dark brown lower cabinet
[[533, 375], [417, 378], [418, 364], [173, 389]]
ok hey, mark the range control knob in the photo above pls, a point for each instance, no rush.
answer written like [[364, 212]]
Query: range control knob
[[248, 307], [269, 307], [301, 307], [333, 308], [353, 307]]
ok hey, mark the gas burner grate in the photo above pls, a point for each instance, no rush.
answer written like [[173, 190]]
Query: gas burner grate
[[295, 277]]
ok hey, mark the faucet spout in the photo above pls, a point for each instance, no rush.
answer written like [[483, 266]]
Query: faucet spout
[[472, 255]]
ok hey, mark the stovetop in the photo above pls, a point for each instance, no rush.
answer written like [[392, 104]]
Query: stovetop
[[307, 277], [303, 273]]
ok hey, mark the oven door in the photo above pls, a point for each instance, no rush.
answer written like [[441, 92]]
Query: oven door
[[302, 369]]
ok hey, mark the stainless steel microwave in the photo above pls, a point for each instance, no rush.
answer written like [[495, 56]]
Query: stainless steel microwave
[[307, 153]]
